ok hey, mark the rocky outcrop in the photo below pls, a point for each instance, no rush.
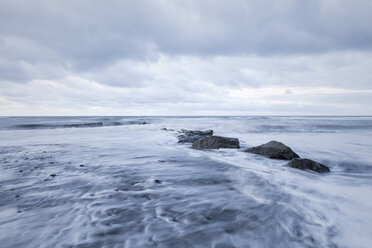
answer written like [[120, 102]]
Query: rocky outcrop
[[275, 150], [189, 136], [308, 164], [215, 142]]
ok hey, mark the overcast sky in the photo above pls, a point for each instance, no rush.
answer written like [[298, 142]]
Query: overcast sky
[[174, 57]]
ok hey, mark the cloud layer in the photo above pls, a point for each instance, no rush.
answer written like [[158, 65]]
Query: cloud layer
[[185, 57]]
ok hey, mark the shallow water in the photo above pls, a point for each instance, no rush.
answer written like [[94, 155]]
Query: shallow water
[[125, 184]]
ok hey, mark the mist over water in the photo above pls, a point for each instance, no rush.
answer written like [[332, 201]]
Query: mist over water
[[124, 182]]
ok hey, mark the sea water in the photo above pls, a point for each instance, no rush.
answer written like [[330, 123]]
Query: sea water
[[124, 182]]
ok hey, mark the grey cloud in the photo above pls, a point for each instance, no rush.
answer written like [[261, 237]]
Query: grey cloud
[[346, 70], [85, 35], [187, 54]]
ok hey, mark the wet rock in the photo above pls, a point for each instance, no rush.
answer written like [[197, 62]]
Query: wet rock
[[215, 142], [189, 136], [308, 164], [275, 150], [166, 129]]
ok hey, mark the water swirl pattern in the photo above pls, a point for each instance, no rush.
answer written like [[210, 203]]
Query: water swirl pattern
[[124, 182]]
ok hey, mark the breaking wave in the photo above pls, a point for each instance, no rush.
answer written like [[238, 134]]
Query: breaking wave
[[31, 126]]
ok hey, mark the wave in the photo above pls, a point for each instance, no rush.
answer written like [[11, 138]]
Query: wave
[[306, 128], [253, 124], [75, 125]]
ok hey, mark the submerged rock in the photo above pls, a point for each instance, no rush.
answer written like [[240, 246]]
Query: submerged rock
[[275, 150], [189, 136], [215, 142], [166, 129], [308, 164]]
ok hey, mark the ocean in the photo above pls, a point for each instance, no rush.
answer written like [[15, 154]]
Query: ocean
[[125, 182]]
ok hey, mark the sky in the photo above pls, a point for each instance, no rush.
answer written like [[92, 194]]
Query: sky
[[191, 57]]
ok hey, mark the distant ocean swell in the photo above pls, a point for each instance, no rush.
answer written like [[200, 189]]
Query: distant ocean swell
[[75, 125], [251, 124]]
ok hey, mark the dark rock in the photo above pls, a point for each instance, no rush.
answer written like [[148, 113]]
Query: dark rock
[[308, 164], [215, 142], [190, 136], [53, 175], [157, 181], [275, 150], [166, 129]]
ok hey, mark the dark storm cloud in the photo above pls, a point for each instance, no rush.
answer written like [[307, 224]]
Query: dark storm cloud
[[89, 35]]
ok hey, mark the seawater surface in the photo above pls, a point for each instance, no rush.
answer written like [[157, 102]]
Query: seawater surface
[[124, 182]]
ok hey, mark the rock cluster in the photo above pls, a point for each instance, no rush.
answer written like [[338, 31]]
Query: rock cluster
[[202, 140], [277, 150]]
